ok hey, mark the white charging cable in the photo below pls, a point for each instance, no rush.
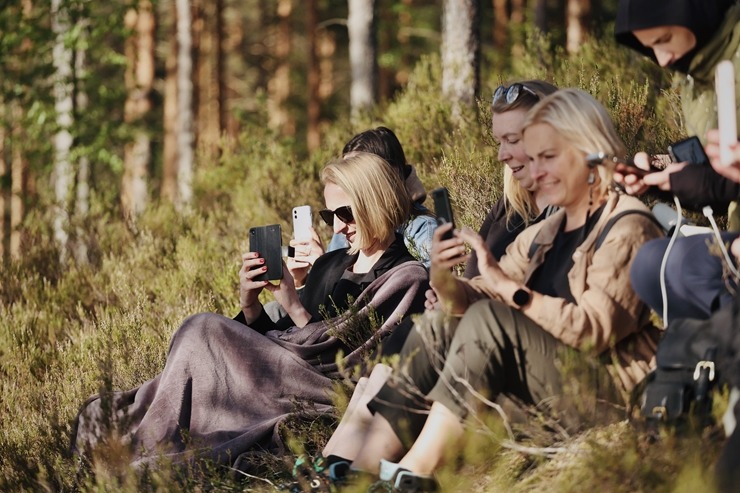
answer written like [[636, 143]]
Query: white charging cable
[[707, 211], [664, 261]]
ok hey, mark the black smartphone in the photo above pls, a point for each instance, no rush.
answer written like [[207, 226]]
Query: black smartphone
[[268, 242], [688, 150], [443, 209]]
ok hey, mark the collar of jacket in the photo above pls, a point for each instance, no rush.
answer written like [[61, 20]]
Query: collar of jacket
[[395, 254], [722, 46], [550, 226]]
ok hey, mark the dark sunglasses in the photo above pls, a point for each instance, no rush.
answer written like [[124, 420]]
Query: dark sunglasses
[[512, 92], [344, 214]]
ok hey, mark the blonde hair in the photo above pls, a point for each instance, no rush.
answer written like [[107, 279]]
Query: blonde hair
[[379, 200], [519, 200], [584, 123]]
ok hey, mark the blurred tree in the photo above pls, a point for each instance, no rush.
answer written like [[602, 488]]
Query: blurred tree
[[139, 82], [82, 182], [168, 189], [64, 106], [363, 62], [460, 52], [278, 86], [500, 23], [313, 136], [577, 20], [184, 127], [4, 179]]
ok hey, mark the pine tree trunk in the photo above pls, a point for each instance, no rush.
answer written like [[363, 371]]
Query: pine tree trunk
[[460, 53], [184, 107], [139, 84], [208, 100], [500, 24], [278, 88], [540, 15], [18, 174], [577, 15], [3, 188], [168, 190], [313, 137], [326, 50], [63, 89], [362, 56]]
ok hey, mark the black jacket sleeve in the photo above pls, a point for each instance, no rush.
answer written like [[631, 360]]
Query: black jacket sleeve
[[697, 186]]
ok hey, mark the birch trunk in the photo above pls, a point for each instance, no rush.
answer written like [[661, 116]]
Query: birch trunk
[[63, 105], [184, 107], [362, 57], [82, 196]]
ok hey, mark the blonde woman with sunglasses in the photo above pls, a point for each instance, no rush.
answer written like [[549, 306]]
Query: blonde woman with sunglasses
[[228, 384]]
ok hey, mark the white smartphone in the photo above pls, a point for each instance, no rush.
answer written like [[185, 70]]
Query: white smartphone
[[302, 222]]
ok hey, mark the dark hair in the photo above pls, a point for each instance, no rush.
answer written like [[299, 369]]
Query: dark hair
[[382, 142], [526, 100]]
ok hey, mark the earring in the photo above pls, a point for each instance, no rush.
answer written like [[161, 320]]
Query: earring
[[591, 178]]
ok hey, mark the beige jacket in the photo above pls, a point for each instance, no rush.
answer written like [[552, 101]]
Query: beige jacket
[[607, 314]]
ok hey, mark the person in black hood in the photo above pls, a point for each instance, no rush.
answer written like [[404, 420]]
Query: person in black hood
[[695, 20], [689, 37]]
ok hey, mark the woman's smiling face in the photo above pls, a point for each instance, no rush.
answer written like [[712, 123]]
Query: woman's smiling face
[[557, 168], [507, 130]]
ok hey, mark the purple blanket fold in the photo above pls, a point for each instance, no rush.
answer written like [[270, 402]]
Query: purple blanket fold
[[225, 387]]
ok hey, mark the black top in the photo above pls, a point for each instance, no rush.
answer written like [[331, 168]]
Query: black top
[[551, 278], [328, 286], [497, 233]]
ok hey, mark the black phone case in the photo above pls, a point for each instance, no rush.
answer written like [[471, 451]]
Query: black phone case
[[689, 150], [268, 242], [443, 208]]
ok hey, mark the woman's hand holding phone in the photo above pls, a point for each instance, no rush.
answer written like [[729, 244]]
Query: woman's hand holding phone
[[306, 253], [445, 254], [249, 290], [286, 294]]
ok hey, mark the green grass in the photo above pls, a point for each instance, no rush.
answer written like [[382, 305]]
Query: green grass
[[67, 332]]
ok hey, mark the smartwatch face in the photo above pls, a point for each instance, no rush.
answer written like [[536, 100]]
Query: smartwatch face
[[521, 297]]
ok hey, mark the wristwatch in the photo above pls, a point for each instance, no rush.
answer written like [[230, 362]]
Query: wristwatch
[[521, 298]]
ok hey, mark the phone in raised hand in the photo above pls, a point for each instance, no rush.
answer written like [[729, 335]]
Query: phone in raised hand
[[302, 222], [443, 209], [267, 241]]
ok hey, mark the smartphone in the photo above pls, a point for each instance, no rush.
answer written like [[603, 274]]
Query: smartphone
[[302, 222], [689, 150], [627, 167], [268, 242], [443, 209]]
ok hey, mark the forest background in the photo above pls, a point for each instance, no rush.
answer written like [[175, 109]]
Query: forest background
[[140, 139]]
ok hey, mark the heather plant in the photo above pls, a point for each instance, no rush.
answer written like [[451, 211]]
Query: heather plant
[[69, 331]]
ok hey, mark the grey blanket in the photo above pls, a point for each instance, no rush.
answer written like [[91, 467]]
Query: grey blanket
[[225, 388]]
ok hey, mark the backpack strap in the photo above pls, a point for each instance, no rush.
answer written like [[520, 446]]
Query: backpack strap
[[607, 227]]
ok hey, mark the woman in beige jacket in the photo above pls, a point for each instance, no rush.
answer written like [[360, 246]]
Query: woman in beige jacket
[[561, 290]]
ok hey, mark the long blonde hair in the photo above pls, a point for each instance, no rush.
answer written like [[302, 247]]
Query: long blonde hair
[[379, 200], [519, 200]]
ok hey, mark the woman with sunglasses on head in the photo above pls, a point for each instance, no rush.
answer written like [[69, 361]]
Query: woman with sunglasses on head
[[689, 37], [228, 384], [519, 207], [560, 291]]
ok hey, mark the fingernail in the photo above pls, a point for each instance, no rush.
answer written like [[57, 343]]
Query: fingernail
[[262, 261], [256, 254], [264, 269]]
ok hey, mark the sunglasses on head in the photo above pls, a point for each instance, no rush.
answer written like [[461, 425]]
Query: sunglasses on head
[[344, 214], [512, 92]]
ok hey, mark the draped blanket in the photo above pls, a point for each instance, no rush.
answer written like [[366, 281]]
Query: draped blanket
[[225, 388]]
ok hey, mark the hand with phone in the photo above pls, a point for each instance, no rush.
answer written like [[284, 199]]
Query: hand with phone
[[249, 288], [306, 251], [445, 254], [286, 295]]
